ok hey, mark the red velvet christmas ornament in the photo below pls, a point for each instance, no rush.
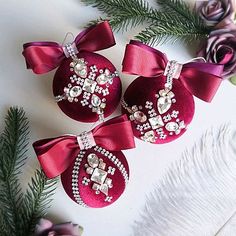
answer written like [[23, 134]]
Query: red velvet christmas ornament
[[160, 103], [94, 171], [97, 177], [86, 85]]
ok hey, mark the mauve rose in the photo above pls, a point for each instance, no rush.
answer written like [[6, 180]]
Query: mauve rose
[[220, 48], [215, 12], [47, 228]]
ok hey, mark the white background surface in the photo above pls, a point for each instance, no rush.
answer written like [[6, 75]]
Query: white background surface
[[22, 21]]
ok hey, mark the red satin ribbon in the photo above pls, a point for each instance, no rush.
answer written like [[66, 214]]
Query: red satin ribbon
[[43, 57], [199, 78], [56, 154]]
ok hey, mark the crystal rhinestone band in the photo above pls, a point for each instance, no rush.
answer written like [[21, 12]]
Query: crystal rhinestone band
[[60, 97], [172, 71], [70, 50], [77, 165], [86, 140], [74, 179]]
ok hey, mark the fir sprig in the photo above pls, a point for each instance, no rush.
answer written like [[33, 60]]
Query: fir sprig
[[19, 212], [36, 200], [172, 21], [122, 13]]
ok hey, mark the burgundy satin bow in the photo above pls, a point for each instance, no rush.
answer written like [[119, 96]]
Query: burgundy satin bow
[[56, 154], [199, 78], [43, 57]]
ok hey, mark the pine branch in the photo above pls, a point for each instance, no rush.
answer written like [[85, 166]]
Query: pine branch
[[36, 201], [175, 20], [15, 141], [164, 33], [20, 212], [123, 14], [3, 226], [181, 9], [12, 156]]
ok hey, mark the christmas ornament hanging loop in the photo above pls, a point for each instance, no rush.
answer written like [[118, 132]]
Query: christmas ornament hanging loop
[[66, 37]]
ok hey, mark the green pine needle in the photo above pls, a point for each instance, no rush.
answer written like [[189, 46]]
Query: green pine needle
[[20, 212], [36, 200], [122, 13], [174, 20], [14, 141]]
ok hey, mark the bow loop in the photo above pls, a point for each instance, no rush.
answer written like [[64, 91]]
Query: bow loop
[[200, 79], [43, 57], [56, 154], [141, 59]]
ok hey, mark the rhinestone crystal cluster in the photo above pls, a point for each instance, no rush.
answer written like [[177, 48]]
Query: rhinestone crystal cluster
[[89, 85], [99, 176], [157, 122]]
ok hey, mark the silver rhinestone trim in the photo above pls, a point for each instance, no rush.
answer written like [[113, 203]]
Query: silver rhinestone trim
[[75, 171], [74, 179], [70, 50], [172, 71], [86, 140]]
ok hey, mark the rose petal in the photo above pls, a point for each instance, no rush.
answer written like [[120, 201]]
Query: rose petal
[[224, 55], [214, 11], [67, 228], [42, 226], [51, 233]]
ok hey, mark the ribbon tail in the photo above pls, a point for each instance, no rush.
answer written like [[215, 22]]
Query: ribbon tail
[[42, 57], [200, 84], [55, 155]]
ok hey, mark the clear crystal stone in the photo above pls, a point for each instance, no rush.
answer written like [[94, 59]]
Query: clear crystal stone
[[79, 67], [95, 100], [182, 125], [156, 122], [89, 170], [163, 104], [82, 73], [108, 181], [99, 176], [75, 91], [102, 79], [140, 116], [102, 165], [96, 187], [89, 85], [149, 137], [93, 160], [163, 92], [172, 126], [104, 189]]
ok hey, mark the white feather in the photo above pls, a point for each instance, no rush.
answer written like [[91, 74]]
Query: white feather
[[197, 196]]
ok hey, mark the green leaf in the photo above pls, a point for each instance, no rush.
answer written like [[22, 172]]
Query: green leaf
[[233, 80]]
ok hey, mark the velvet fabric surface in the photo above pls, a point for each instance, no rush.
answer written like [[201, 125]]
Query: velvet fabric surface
[[75, 110], [87, 194], [145, 89]]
